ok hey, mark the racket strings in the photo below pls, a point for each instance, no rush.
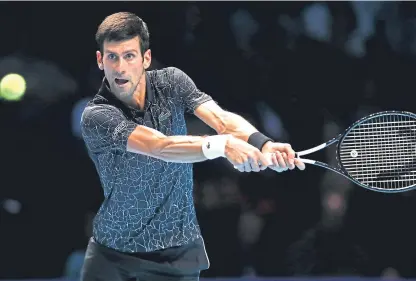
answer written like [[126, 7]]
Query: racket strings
[[381, 152]]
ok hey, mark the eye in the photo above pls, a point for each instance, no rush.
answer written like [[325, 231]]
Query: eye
[[130, 56], [111, 56]]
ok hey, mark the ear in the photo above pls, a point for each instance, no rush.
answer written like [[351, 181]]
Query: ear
[[147, 59], [99, 60]]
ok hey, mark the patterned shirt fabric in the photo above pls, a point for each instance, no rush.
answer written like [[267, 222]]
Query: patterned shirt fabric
[[148, 203]]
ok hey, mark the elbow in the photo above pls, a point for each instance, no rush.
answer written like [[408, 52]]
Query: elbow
[[222, 129], [221, 126]]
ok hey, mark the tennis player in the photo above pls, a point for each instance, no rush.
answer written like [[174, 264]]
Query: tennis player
[[135, 133]]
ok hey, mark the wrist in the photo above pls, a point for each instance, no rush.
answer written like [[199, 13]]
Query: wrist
[[259, 140], [264, 148], [214, 146]]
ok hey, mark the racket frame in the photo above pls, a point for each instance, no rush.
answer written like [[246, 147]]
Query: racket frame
[[339, 139]]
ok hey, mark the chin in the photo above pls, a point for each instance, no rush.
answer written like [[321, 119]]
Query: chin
[[124, 94], [121, 92]]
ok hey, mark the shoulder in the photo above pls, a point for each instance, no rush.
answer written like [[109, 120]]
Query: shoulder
[[166, 75], [165, 72], [94, 111]]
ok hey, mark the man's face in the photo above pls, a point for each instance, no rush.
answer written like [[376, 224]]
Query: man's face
[[123, 66]]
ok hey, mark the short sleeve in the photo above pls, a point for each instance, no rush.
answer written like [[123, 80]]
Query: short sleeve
[[190, 95], [105, 127]]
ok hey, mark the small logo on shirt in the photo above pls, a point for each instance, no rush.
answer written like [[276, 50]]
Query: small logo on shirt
[[118, 129], [164, 116], [209, 145]]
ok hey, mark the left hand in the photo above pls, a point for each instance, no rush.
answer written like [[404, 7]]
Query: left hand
[[282, 156]]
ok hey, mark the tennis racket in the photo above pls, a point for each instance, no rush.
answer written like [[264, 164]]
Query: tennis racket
[[377, 152]]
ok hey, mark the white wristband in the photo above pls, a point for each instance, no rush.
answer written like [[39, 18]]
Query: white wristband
[[214, 146]]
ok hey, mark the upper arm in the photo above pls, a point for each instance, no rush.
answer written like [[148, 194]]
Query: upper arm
[[105, 127], [190, 96]]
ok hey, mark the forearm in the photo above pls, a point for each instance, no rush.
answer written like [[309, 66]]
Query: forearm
[[234, 124], [224, 122], [179, 149], [183, 149], [238, 127]]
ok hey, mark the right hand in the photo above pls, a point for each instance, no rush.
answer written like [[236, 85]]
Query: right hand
[[244, 156]]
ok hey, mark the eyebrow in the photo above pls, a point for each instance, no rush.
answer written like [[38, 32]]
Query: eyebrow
[[125, 52]]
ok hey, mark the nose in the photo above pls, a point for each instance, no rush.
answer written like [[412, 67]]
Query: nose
[[119, 66]]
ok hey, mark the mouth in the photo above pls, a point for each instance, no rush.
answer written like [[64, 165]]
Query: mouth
[[120, 82]]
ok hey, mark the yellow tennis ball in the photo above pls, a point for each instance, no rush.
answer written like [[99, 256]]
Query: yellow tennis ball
[[12, 87]]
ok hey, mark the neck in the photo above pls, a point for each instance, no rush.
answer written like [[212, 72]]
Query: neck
[[140, 93]]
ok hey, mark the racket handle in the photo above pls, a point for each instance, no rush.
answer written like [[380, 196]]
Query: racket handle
[[307, 161]]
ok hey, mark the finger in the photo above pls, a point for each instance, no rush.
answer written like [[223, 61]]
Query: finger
[[239, 167], [247, 166], [276, 167], [284, 156], [263, 160], [274, 160], [261, 165], [288, 165], [254, 164], [280, 160], [300, 164], [290, 155]]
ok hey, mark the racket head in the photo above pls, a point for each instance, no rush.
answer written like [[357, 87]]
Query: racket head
[[378, 152]]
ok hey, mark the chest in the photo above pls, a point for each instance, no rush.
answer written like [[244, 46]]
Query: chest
[[166, 117]]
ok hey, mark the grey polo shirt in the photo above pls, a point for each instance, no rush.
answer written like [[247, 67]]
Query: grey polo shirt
[[148, 202]]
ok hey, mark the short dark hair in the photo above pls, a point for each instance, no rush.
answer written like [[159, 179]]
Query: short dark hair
[[123, 26]]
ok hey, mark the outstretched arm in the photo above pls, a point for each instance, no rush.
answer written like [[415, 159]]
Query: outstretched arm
[[105, 127], [225, 122]]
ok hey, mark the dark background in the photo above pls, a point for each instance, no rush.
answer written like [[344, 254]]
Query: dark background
[[307, 71]]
